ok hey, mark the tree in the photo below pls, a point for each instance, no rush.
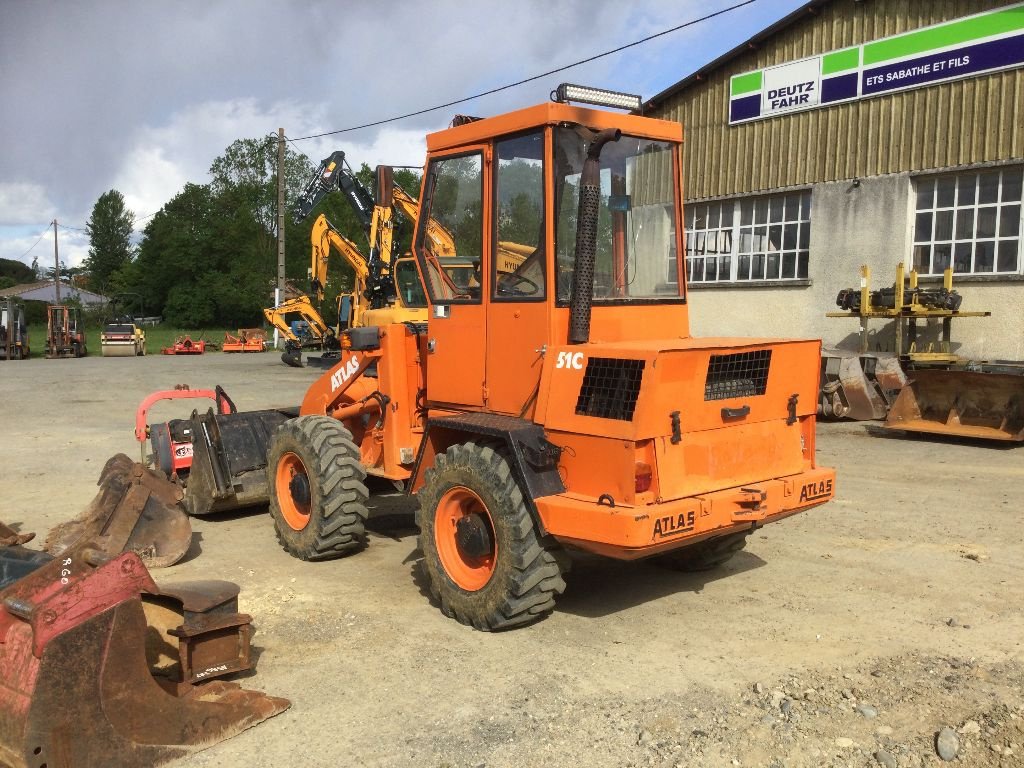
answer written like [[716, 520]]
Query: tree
[[16, 271], [110, 231]]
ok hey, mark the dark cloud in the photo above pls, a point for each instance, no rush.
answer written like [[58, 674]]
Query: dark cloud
[[146, 94]]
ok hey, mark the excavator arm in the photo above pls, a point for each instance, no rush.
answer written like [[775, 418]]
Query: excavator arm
[[335, 173], [302, 306], [323, 237]]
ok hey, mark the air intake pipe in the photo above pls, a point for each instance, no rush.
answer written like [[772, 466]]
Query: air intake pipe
[[586, 237]]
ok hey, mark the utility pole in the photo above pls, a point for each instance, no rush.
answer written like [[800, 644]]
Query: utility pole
[[279, 293], [56, 265]]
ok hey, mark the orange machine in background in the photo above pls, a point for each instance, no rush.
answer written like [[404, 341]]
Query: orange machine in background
[[64, 334], [550, 403], [247, 340]]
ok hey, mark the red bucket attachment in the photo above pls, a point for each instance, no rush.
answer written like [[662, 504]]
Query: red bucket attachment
[[79, 689]]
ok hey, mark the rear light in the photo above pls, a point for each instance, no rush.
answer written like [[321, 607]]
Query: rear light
[[644, 477]]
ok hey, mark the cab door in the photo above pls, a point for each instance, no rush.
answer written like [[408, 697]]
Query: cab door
[[452, 251], [518, 303]]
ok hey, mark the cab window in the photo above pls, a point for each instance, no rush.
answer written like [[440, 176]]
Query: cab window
[[450, 235], [519, 262]]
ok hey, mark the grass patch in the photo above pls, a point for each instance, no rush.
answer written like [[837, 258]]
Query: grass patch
[[157, 337]]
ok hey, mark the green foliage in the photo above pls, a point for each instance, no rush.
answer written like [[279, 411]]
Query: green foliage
[[209, 256], [16, 271], [7, 282], [110, 247]]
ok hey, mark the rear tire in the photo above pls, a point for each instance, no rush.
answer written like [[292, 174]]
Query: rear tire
[[481, 552], [317, 490], [705, 555]]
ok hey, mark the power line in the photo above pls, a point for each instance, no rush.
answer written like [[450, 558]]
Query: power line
[[528, 79], [26, 253]]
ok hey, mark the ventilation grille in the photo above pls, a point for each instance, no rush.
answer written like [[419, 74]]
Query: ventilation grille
[[610, 388], [743, 374]]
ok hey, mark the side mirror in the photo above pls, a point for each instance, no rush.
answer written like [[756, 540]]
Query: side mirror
[[385, 186]]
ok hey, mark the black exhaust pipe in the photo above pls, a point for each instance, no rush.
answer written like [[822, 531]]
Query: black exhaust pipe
[[586, 238]]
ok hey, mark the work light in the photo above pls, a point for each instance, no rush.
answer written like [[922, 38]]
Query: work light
[[567, 92]]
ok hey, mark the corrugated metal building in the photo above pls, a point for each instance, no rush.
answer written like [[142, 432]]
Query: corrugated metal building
[[857, 132], [45, 290]]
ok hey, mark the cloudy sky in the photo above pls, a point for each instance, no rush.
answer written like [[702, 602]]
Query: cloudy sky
[[141, 96]]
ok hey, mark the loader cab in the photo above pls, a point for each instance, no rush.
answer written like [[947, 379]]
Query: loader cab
[[503, 194]]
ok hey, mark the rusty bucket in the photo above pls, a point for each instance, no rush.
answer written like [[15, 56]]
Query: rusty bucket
[[988, 406]]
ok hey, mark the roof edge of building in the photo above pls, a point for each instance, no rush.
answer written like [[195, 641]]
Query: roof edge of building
[[809, 8]]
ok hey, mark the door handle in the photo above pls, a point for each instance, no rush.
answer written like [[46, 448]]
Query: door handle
[[736, 413], [431, 345]]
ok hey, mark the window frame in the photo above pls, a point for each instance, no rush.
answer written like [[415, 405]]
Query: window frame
[[954, 209], [483, 151], [495, 211], [678, 232], [737, 229]]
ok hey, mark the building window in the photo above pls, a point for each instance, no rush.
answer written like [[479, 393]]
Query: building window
[[753, 238], [970, 221]]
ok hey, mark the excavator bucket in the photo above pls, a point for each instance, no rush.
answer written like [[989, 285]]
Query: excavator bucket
[[858, 386], [81, 679], [846, 392], [886, 374], [136, 510], [971, 404], [292, 356]]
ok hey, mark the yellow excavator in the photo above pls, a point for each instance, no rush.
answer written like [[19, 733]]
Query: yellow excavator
[[314, 331], [386, 289]]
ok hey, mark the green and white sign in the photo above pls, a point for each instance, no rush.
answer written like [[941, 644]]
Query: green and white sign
[[965, 47]]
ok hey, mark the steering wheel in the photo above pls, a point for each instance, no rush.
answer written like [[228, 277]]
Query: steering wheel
[[507, 285]]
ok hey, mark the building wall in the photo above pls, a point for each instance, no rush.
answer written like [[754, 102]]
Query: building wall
[[883, 143], [853, 225], [951, 124]]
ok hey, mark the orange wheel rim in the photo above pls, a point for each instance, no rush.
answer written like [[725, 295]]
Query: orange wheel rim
[[292, 488], [464, 534]]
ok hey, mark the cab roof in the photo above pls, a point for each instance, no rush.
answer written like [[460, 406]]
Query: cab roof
[[552, 113]]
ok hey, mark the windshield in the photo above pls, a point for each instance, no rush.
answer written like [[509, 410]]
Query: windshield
[[407, 284], [636, 233]]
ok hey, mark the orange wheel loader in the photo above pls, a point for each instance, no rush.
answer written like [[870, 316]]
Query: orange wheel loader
[[558, 405]]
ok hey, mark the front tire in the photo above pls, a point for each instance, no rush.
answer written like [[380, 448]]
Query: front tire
[[481, 552], [317, 490]]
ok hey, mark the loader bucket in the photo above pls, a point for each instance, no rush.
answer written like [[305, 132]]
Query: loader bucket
[[989, 406], [77, 690], [136, 510], [229, 460]]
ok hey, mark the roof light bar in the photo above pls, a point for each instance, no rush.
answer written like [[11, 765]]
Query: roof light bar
[[567, 92]]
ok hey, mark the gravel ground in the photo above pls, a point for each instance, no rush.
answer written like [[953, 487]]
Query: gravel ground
[[852, 635]]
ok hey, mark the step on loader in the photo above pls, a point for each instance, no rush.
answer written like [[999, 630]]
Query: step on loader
[[549, 403]]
